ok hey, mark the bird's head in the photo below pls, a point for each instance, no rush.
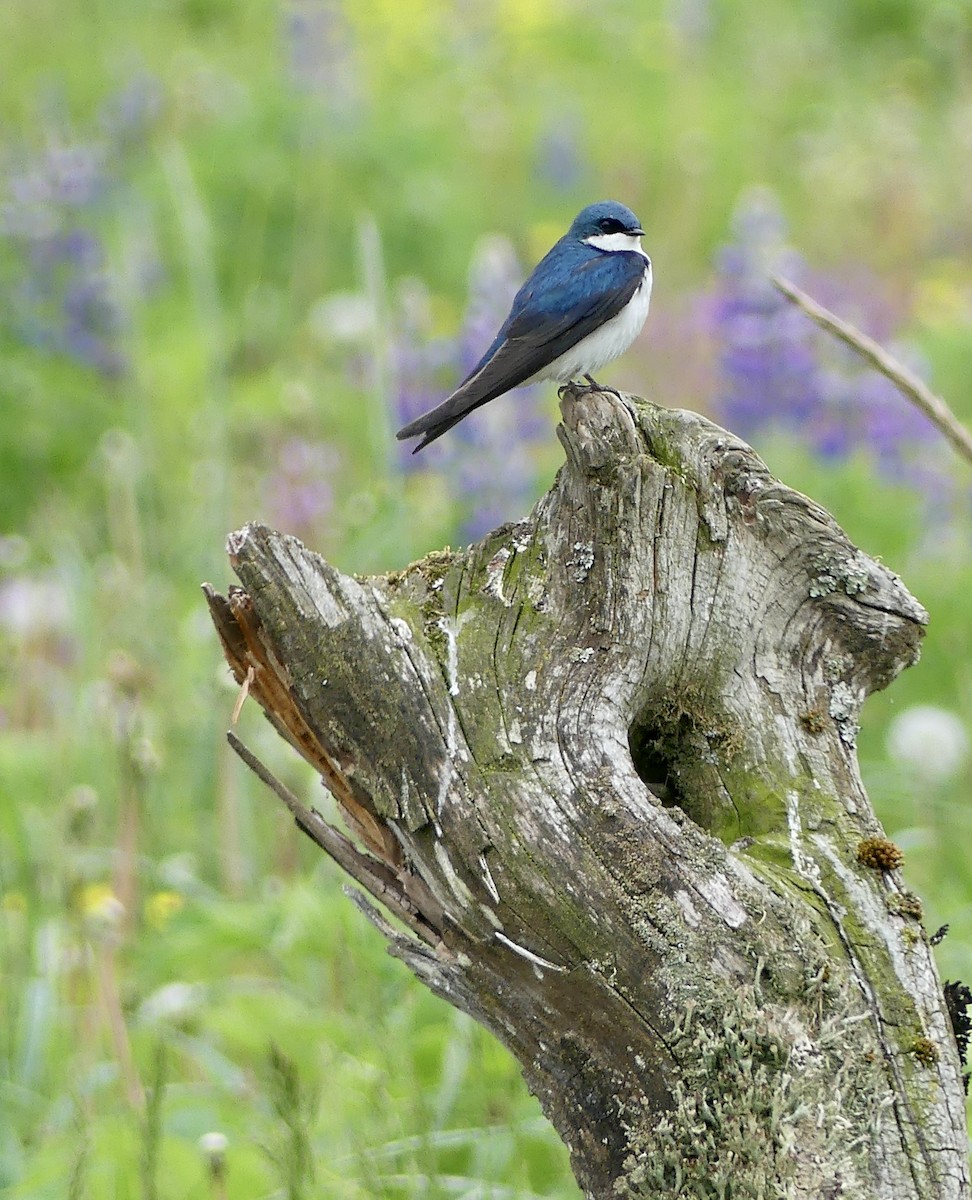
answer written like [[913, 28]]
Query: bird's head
[[608, 225]]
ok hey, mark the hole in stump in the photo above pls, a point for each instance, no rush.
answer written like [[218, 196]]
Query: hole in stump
[[654, 767]]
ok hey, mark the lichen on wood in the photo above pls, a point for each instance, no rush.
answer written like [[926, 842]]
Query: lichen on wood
[[600, 768]]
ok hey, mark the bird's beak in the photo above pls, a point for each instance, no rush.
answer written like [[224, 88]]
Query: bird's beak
[[637, 233]]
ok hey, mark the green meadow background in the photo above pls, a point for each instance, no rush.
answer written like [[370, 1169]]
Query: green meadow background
[[224, 227]]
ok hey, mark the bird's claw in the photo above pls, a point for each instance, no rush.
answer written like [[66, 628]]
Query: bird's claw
[[594, 386], [579, 389]]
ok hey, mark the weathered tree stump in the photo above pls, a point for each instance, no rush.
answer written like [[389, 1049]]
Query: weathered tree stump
[[600, 768]]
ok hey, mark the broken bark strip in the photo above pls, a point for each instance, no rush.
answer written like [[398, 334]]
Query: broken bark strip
[[602, 765]]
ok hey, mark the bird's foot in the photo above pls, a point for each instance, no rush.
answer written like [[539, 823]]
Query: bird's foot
[[579, 389], [594, 386]]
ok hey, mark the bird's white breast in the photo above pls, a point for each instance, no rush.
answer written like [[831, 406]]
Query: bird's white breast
[[605, 344]]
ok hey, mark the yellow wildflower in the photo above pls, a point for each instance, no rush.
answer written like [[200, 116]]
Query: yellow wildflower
[[161, 906]]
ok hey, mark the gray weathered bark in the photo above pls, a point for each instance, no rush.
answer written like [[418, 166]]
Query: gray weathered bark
[[600, 767]]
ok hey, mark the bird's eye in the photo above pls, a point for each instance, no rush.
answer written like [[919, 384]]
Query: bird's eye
[[611, 225]]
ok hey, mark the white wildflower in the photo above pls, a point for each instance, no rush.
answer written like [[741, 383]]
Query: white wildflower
[[929, 740]]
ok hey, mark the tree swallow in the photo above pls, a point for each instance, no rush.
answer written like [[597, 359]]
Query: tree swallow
[[584, 305]]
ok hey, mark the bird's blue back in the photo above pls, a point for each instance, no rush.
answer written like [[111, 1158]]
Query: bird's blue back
[[567, 282]]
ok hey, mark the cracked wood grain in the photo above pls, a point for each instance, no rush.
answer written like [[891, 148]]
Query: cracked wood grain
[[601, 766]]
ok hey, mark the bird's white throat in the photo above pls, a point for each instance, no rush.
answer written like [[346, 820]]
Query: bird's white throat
[[616, 241]]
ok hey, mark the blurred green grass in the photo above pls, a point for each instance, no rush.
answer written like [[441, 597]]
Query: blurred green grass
[[269, 135]]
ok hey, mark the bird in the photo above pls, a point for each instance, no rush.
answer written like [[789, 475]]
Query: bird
[[582, 306]]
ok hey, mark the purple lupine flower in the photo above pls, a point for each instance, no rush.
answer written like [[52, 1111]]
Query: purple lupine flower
[[768, 370], [321, 53], [58, 294], [60, 297], [868, 407], [92, 321], [298, 490], [77, 174], [778, 372], [558, 157], [127, 114]]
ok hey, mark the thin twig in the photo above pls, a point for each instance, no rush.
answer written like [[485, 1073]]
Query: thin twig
[[360, 901], [408, 949], [933, 406], [373, 875]]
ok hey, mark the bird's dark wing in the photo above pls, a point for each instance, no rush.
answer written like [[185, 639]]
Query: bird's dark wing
[[572, 292]]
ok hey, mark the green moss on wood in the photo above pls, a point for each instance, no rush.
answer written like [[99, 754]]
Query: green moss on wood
[[770, 1096], [925, 1051], [815, 720], [905, 904]]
